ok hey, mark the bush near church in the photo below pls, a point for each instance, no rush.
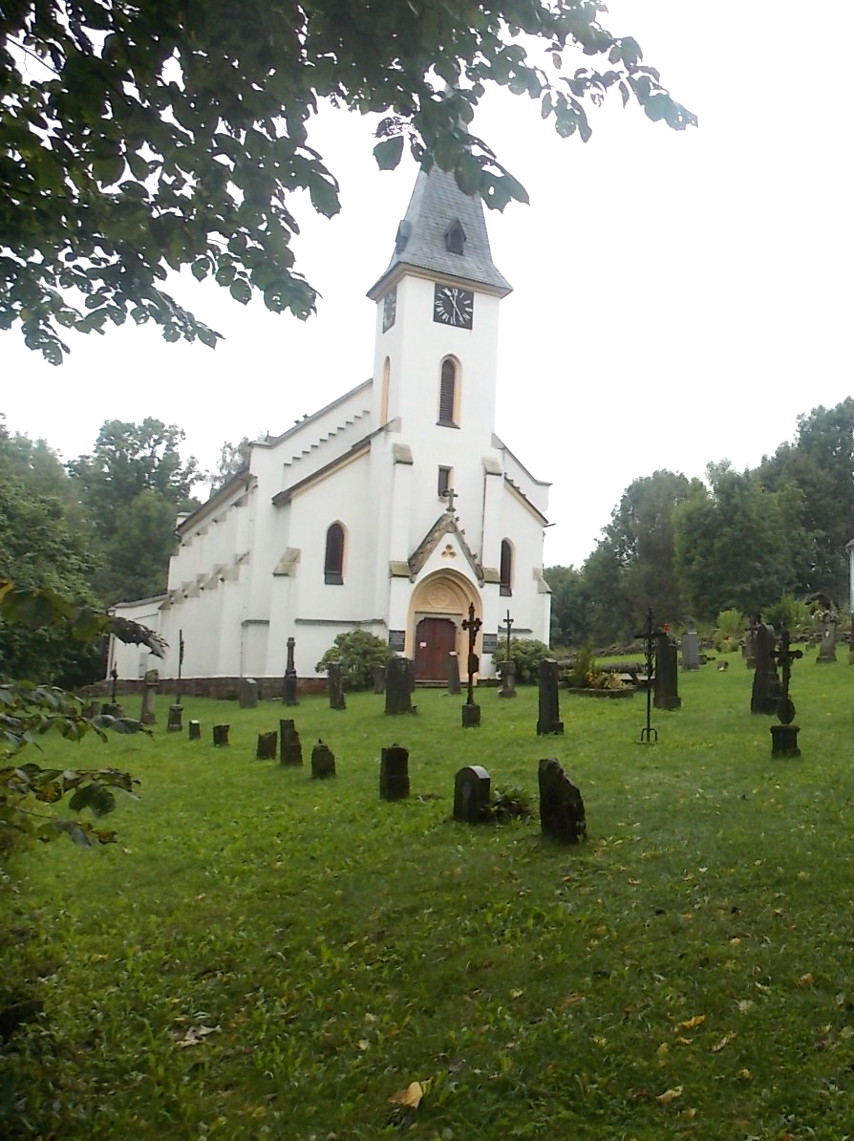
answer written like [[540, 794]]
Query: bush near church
[[527, 653], [358, 654]]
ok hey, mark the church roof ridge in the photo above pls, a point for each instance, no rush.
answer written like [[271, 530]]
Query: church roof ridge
[[437, 203]]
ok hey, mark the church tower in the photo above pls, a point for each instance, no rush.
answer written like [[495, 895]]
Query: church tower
[[435, 371]]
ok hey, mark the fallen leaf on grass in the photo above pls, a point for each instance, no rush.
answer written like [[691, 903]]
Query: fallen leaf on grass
[[410, 1097], [806, 980], [691, 1023], [572, 1000], [670, 1095], [196, 1035], [725, 1041]]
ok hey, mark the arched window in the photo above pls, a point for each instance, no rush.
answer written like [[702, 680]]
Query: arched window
[[506, 571], [333, 566], [448, 393]]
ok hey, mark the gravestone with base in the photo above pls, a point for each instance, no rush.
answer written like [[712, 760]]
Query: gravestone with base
[[322, 762], [394, 773], [454, 673], [290, 749], [561, 808], [289, 687], [379, 679], [827, 649], [666, 692], [247, 693], [266, 749], [508, 679], [149, 691], [549, 702], [335, 684], [690, 648], [767, 689], [112, 708], [471, 794], [398, 686], [174, 724]]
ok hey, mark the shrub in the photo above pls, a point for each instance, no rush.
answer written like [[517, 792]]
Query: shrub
[[796, 616], [527, 653], [583, 673], [359, 653]]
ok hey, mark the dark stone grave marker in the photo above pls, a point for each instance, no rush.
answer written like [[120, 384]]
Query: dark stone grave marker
[[194, 731], [471, 710], [690, 648], [561, 807], [149, 691], [471, 794], [549, 705], [666, 692], [220, 734], [335, 684], [289, 688], [267, 742], [379, 679], [290, 749], [767, 689], [322, 762], [247, 693], [398, 686], [394, 773], [174, 724]]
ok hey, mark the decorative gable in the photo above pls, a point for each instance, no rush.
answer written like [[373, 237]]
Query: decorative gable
[[446, 524]]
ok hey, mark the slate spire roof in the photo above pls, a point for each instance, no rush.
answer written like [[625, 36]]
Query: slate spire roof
[[427, 236]]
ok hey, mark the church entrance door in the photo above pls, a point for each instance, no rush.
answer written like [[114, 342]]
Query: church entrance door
[[435, 638]]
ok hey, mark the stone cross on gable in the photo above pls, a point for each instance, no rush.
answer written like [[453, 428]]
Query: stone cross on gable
[[450, 495]]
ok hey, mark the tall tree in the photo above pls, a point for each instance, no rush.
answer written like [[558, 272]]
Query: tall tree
[[43, 546], [821, 463], [738, 544], [132, 486], [141, 137], [570, 624]]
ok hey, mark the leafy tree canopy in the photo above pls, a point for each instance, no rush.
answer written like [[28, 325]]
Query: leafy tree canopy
[[138, 138]]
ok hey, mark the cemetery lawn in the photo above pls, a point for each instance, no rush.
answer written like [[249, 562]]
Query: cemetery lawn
[[262, 955]]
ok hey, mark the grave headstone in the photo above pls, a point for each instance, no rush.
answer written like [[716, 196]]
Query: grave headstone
[[289, 689], [749, 648], [784, 737], [690, 648], [666, 692], [508, 679], [220, 734], [290, 749], [174, 723], [471, 794], [453, 672], [322, 762], [394, 773], [398, 686], [561, 807], [149, 691], [266, 749], [247, 693], [767, 688], [549, 703], [379, 679], [827, 649], [194, 731], [335, 685]]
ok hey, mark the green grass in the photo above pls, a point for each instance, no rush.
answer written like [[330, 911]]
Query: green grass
[[699, 946]]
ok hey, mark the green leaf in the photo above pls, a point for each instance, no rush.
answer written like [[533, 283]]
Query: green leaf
[[241, 290], [388, 153]]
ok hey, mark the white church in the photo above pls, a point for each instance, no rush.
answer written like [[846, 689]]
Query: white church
[[391, 510]]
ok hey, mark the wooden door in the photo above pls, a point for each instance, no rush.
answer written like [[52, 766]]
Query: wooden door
[[435, 638]]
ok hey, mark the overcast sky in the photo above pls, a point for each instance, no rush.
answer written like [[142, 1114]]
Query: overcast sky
[[679, 297]]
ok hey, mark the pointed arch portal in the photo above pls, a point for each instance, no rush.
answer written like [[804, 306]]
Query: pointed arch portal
[[437, 608]]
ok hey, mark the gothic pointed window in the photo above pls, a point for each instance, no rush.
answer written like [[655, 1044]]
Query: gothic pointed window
[[506, 571], [448, 393], [333, 566]]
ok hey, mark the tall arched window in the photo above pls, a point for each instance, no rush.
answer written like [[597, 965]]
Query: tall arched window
[[333, 566], [448, 393], [506, 571]]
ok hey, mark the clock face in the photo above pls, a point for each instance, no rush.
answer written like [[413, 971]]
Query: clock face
[[389, 308], [453, 306]]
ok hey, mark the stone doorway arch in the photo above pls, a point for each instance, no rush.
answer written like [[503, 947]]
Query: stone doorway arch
[[437, 608]]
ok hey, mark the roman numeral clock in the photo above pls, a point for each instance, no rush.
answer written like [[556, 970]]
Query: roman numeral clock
[[453, 306]]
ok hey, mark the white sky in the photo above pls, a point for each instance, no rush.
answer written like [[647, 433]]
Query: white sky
[[679, 297]]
